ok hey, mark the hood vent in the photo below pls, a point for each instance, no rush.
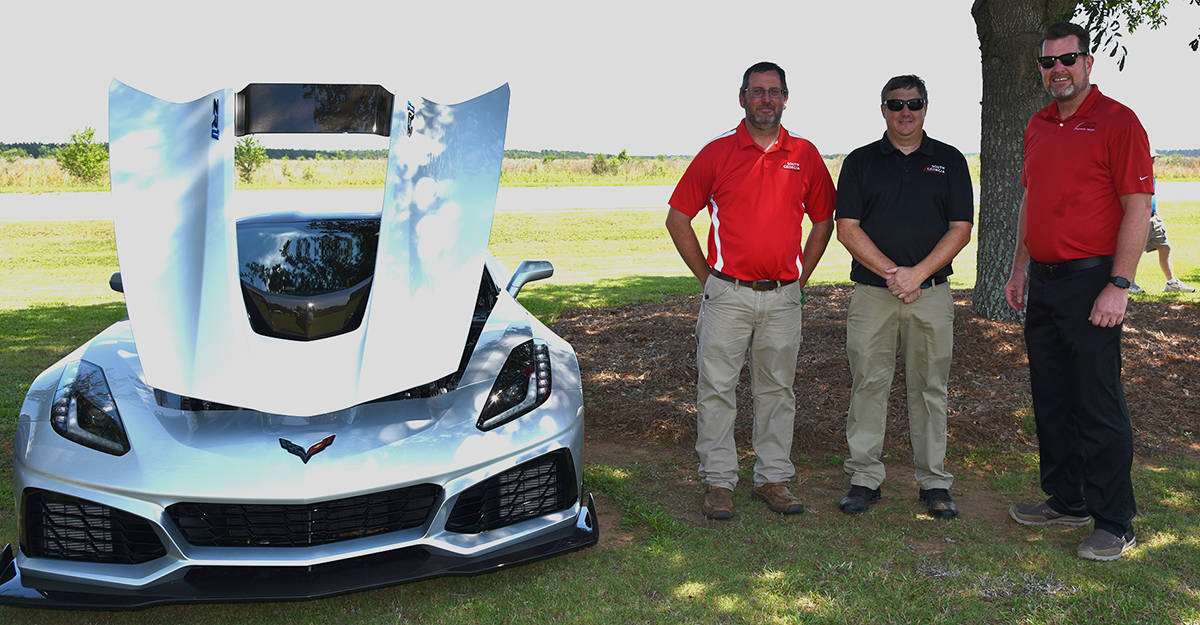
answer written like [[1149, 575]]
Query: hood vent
[[305, 279]]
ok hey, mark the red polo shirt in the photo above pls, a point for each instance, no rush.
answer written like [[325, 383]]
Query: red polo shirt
[[757, 200], [1076, 171]]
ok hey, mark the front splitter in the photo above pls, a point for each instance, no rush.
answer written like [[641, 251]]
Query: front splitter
[[282, 583]]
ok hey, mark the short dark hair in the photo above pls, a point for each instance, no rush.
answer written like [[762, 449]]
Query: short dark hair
[[1061, 30], [764, 66], [907, 81]]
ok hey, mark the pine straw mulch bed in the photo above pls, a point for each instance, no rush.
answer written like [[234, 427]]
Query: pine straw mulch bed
[[639, 377]]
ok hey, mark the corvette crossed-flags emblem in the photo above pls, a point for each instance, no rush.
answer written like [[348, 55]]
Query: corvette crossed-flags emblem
[[300, 452]]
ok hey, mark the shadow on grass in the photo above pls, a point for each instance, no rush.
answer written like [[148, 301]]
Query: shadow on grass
[[899, 566], [33, 338], [890, 565], [546, 300]]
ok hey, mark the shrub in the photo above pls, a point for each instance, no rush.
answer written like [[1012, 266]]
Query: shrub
[[599, 165], [83, 159], [248, 156], [12, 154]]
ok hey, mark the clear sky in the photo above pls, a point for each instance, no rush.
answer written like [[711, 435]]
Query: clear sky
[[651, 77]]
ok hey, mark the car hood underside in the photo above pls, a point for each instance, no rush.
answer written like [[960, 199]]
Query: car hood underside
[[172, 176]]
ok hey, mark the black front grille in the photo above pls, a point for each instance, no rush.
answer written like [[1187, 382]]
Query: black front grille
[[302, 525], [67, 528], [540, 486]]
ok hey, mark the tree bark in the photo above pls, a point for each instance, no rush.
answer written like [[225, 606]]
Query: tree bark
[[1009, 35]]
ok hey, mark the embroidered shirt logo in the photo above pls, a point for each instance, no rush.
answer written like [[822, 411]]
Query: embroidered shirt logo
[[792, 165], [936, 169], [1087, 126]]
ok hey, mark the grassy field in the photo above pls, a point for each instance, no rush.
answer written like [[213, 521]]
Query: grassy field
[[892, 566], [31, 175]]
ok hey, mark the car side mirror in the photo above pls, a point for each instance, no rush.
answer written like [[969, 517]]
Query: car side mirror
[[528, 271], [114, 283]]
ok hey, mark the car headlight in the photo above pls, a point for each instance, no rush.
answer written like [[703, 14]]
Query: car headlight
[[523, 384], [84, 410]]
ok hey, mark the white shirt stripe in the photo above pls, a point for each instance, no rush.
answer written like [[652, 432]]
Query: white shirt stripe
[[716, 229]]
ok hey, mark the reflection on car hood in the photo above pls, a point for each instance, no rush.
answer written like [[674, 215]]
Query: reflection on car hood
[[172, 177]]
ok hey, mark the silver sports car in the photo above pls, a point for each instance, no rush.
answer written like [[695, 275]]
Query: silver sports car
[[305, 399]]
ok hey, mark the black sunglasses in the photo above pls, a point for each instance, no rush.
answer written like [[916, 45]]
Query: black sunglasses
[[914, 104], [1068, 59]]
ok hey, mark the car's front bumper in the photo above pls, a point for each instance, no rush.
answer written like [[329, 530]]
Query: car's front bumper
[[272, 583]]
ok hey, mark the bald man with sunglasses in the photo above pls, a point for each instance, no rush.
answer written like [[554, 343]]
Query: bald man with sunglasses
[[904, 210], [1088, 180]]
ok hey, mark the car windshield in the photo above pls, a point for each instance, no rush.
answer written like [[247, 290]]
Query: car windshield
[[305, 257]]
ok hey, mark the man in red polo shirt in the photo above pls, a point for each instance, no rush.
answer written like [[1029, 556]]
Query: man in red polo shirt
[[1088, 180], [758, 182]]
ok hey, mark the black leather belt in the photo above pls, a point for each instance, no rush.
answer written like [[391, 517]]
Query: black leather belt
[[1053, 270], [757, 285]]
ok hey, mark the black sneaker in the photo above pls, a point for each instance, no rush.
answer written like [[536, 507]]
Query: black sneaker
[[938, 502], [859, 499]]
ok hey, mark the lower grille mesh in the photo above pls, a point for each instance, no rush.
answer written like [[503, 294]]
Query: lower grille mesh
[[302, 525], [67, 528], [540, 486]]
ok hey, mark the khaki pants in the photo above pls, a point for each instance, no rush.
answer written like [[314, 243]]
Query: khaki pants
[[735, 320], [877, 323]]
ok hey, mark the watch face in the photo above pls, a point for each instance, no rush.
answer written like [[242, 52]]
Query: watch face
[[1119, 282]]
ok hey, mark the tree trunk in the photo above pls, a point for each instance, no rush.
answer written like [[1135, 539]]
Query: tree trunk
[[1009, 35]]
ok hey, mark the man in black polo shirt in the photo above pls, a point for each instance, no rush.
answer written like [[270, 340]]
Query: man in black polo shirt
[[904, 210]]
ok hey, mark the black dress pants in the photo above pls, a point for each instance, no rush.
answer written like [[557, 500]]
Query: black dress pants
[[1084, 433]]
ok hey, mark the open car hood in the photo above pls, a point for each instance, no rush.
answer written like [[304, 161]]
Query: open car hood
[[172, 170]]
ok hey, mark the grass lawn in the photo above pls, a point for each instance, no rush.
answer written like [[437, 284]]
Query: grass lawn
[[656, 564]]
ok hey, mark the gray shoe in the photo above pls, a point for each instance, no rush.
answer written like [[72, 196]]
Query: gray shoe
[[1104, 546], [1134, 289], [1176, 286], [1042, 514]]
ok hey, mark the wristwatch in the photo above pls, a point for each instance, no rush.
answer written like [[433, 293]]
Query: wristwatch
[[1119, 282]]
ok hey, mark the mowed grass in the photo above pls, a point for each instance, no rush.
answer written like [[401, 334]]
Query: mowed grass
[[656, 563], [1183, 234]]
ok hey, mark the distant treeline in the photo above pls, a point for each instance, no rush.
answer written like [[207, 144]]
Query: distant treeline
[[35, 150], [46, 150], [339, 155]]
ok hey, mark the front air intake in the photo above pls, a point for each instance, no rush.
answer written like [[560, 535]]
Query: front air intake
[[67, 528], [529, 490]]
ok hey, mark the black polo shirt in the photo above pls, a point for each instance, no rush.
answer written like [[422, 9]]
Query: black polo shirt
[[904, 202]]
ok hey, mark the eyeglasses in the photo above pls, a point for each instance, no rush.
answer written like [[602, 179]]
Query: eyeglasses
[[758, 92], [914, 104], [1068, 59]]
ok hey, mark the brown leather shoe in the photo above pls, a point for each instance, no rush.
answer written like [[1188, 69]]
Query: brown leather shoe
[[718, 503], [779, 498]]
